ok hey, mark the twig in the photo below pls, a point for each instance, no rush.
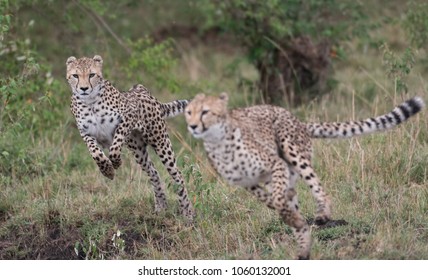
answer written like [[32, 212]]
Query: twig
[[105, 25], [284, 53]]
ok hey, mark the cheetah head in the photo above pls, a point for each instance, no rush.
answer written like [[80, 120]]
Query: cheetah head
[[85, 76], [205, 115]]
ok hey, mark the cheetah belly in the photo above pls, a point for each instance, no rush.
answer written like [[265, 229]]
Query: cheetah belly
[[241, 171]]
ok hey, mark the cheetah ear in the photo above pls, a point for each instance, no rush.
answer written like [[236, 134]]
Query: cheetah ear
[[69, 62], [71, 59], [224, 96], [200, 96], [98, 59]]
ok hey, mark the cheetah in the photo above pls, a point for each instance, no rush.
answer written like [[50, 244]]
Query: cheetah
[[109, 118], [264, 149]]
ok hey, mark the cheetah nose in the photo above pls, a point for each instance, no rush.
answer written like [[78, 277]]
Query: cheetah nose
[[84, 89], [193, 127]]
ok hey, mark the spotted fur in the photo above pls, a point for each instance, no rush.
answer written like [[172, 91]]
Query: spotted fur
[[109, 118], [173, 108], [264, 149], [354, 128]]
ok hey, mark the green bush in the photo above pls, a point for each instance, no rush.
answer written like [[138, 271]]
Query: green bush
[[398, 67], [416, 23], [289, 41], [153, 59]]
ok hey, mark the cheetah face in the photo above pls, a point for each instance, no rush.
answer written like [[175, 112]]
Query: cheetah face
[[205, 115], [85, 76]]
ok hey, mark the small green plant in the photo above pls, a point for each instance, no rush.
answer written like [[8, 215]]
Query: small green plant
[[92, 244], [96, 247], [118, 242], [398, 67], [192, 174], [89, 248]]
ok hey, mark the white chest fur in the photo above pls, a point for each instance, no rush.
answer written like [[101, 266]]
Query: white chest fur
[[100, 123]]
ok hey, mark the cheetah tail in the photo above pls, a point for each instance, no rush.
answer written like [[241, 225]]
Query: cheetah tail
[[353, 128], [173, 108]]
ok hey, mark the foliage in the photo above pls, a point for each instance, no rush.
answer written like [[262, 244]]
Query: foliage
[[416, 23], [154, 59], [4, 18], [29, 99], [398, 67], [273, 31], [92, 247], [202, 187], [254, 22]]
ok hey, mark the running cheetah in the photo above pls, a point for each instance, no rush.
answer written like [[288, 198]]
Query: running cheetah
[[110, 118], [264, 149]]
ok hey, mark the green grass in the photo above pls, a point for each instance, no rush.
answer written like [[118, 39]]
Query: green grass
[[378, 184], [55, 204]]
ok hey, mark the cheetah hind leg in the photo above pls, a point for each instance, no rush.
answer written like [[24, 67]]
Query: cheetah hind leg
[[299, 163], [284, 200], [166, 154], [142, 158], [303, 167], [320, 223]]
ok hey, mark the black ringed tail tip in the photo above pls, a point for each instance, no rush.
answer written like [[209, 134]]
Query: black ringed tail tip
[[411, 107], [416, 104]]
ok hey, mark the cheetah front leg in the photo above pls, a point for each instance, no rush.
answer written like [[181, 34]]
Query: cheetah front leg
[[284, 200], [103, 162], [122, 132]]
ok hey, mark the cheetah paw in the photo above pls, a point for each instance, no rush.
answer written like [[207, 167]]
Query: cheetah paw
[[321, 220], [108, 171], [117, 162], [189, 216]]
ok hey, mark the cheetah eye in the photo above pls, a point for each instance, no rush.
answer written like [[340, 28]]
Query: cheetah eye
[[204, 112], [91, 75], [75, 76], [189, 112]]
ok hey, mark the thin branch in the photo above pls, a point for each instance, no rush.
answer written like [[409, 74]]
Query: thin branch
[[284, 53], [90, 12]]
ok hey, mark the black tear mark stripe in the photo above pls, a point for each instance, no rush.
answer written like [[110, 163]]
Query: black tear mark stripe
[[203, 125]]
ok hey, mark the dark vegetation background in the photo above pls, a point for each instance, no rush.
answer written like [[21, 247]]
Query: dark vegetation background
[[323, 60]]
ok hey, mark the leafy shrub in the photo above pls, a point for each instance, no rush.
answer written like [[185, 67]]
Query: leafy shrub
[[398, 67], [153, 59], [416, 23], [289, 41]]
